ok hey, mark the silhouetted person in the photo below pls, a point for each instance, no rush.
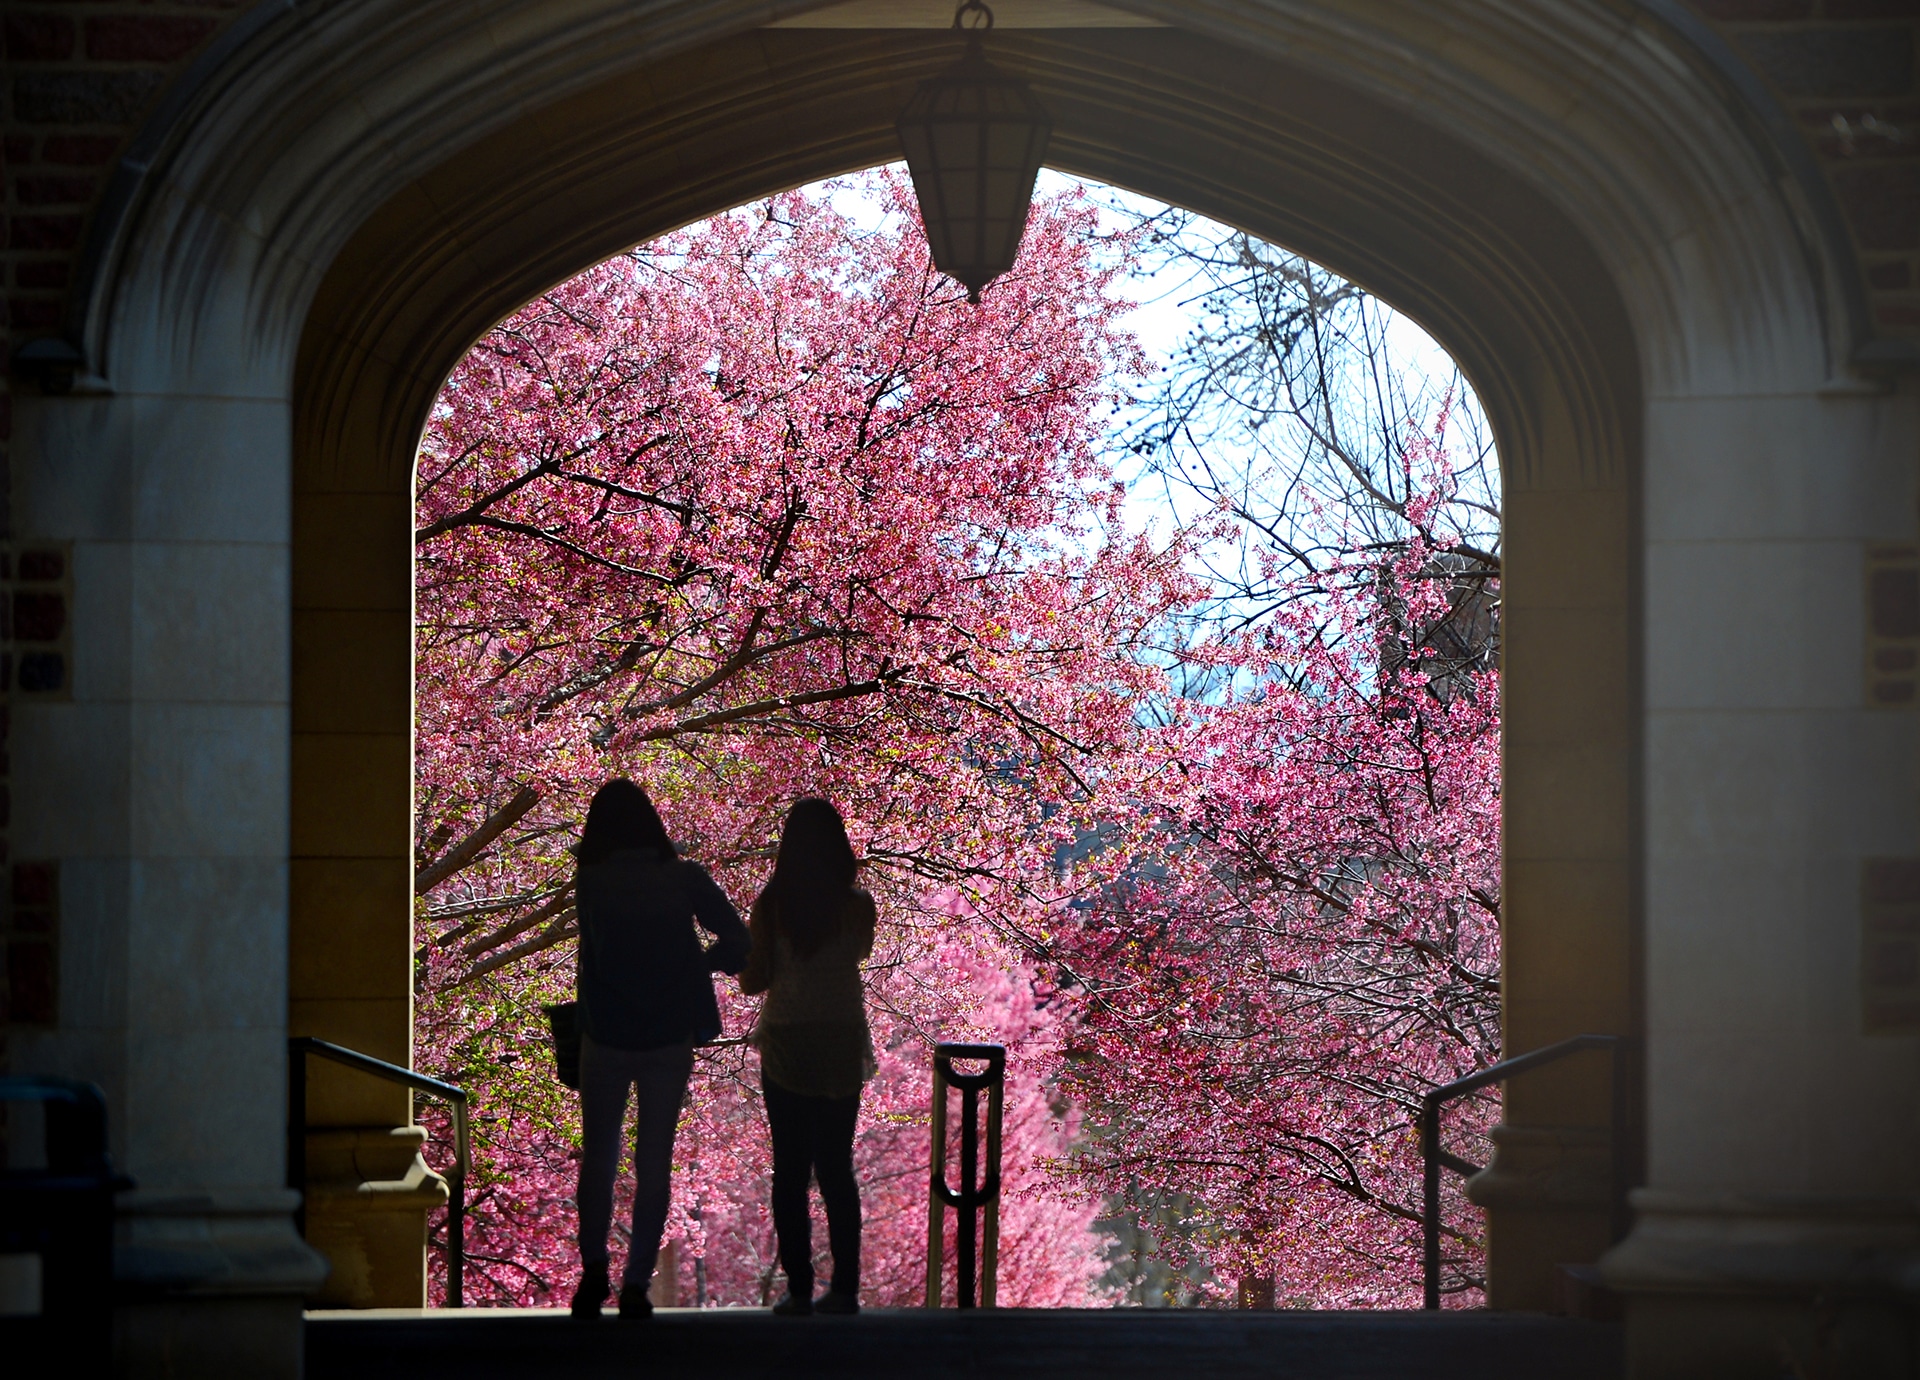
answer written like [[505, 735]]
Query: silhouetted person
[[812, 928], [646, 999]]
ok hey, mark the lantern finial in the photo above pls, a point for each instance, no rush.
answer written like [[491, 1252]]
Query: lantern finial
[[974, 137]]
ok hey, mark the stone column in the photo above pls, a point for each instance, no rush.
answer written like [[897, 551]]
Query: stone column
[[1568, 890], [1779, 1232], [159, 790], [350, 962]]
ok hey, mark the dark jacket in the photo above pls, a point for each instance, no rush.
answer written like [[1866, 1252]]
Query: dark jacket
[[644, 980]]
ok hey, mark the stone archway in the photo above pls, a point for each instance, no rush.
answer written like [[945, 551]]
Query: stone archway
[[1579, 203], [1511, 281]]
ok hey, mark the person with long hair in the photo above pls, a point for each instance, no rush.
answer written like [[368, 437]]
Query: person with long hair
[[812, 929], [646, 999]]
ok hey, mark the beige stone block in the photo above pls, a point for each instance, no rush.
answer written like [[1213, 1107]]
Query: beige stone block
[[1576, 1091], [1861, 1108], [353, 550], [370, 1199], [1568, 549], [1860, 797], [1763, 469], [1568, 944], [352, 795], [380, 1026], [93, 944], [70, 780], [1568, 675], [72, 459], [339, 1096], [1567, 800], [1726, 784], [209, 622], [1754, 625], [100, 626], [211, 469], [206, 945], [209, 780], [352, 928], [1727, 1109], [205, 1108], [1569, 969], [1726, 941], [1525, 1248], [352, 671]]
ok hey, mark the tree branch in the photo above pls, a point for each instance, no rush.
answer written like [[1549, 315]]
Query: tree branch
[[469, 847]]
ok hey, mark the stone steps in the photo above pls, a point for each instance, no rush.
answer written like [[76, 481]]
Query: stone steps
[[915, 1344]]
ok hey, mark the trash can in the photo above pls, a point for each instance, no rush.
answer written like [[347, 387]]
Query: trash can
[[56, 1227]]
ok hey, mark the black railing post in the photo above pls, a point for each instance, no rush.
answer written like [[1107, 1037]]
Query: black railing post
[[976, 1190], [1433, 1157], [457, 1242], [1430, 1200], [457, 1207], [297, 1130], [966, 1244]]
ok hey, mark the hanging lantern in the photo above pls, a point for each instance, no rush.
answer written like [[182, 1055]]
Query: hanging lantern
[[974, 137]]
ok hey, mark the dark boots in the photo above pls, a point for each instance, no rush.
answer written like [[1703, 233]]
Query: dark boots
[[593, 1291]]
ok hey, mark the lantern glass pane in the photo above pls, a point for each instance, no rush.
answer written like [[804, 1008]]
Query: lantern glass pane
[[1007, 144], [956, 146]]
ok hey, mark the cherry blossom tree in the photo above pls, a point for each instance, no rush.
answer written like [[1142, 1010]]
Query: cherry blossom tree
[[1204, 828], [1318, 883], [1305, 938], [759, 510]]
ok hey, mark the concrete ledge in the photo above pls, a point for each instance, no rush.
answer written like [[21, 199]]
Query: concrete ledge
[[218, 1339], [944, 1344]]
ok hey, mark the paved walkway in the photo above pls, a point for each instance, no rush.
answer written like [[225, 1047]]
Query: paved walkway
[[915, 1344]]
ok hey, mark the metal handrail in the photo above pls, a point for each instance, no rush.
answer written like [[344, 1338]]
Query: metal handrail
[[1434, 1156], [298, 1048], [976, 1191]]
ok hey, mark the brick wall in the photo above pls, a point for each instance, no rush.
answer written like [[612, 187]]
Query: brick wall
[[1846, 69], [81, 73], [79, 76]]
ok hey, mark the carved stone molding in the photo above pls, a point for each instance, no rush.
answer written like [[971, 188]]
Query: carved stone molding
[[1747, 1244]]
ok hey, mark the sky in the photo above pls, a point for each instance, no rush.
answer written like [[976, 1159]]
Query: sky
[[1163, 316], [1165, 295]]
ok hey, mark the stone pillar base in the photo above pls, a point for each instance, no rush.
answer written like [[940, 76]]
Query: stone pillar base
[[211, 1283], [368, 1198], [1738, 1287], [1546, 1196]]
